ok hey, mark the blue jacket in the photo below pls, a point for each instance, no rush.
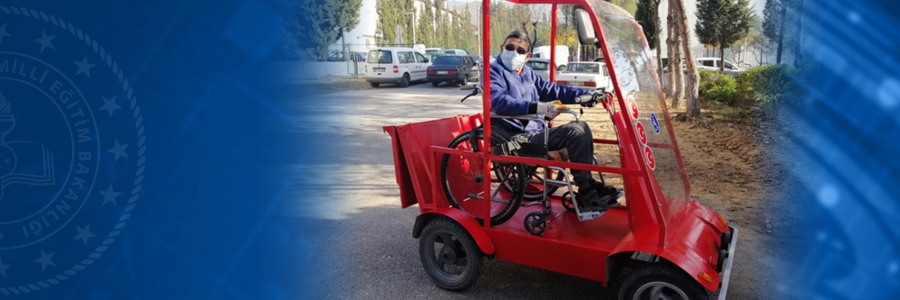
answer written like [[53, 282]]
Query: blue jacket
[[518, 94]]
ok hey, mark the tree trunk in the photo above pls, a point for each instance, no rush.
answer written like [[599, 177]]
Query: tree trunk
[[659, 67], [721, 58], [781, 32], [676, 58], [670, 52], [798, 52], [693, 78]]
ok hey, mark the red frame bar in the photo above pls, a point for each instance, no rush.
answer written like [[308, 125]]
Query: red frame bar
[[486, 97], [553, 27]]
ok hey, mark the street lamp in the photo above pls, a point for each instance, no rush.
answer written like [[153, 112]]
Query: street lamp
[[413, 25]]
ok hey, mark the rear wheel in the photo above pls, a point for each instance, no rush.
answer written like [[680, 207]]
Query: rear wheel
[[449, 255], [373, 84], [435, 83], [404, 82], [462, 179], [657, 282]]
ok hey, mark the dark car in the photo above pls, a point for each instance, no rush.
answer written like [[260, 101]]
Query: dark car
[[477, 59], [455, 69]]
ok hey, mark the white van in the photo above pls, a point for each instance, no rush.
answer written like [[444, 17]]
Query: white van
[[562, 54], [395, 65], [714, 63], [456, 52]]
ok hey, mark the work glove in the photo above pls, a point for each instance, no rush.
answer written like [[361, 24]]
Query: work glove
[[550, 109]]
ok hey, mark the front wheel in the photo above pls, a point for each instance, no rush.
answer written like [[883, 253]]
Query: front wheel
[[449, 255], [659, 281]]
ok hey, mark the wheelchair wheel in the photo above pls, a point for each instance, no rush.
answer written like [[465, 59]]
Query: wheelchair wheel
[[534, 189], [462, 179]]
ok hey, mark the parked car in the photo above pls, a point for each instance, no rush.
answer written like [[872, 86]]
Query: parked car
[[339, 56], [395, 65], [714, 63], [541, 67], [709, 64], [477, 59], [587, 75], [434, 55], [433, 50], [455, 69], [455, 52]]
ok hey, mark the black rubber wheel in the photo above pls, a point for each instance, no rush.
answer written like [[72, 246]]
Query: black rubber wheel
[[658, 281], [404, 82], [373, 84], [568, 201], [435, 83], [449, 255], [535, 223], [462, 178]]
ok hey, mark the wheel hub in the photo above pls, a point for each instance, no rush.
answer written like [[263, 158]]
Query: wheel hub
[[658, 290]]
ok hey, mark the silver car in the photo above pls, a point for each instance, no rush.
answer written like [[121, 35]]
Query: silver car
[[541, 67]]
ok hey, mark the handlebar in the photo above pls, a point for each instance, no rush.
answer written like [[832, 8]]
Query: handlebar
[[587, 100], [474, 88]]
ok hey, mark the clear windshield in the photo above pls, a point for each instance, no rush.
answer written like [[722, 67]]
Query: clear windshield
[[637, 79]]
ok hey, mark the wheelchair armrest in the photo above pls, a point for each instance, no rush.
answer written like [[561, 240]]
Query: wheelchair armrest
[[518, 117], [535, 117]]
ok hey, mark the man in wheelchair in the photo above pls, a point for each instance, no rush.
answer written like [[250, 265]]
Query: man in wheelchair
[[516, 90]]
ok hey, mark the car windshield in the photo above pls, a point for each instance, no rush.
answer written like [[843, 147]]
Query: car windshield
[[587, 68], [537, 65], [646, 107], [446, 60], [380, 56]]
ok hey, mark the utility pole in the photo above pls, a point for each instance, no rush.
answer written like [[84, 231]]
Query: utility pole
[[413, 25]]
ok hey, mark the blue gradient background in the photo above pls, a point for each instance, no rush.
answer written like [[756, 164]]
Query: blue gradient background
[[843, 152], [204, 224]]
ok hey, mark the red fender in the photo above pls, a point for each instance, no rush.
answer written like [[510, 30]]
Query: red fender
[[692, 244], [464, 219]]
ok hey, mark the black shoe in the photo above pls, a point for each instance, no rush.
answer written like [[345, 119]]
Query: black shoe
[[592, 201], [612, 194]]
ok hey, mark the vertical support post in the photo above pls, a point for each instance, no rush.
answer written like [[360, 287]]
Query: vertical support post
[[553, 43], [486, 103]]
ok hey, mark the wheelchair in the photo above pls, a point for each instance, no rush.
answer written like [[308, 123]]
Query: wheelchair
[[511, 183]]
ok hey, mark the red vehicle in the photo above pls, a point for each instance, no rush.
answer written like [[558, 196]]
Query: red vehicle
[[660, 244]]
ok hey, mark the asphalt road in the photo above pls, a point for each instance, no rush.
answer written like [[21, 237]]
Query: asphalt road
[[364, 241]]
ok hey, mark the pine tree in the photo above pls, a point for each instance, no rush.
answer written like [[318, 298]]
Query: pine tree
[[722, 22], [445, 30], [646, 15], [776, 26], [319, 23], [425, 26]]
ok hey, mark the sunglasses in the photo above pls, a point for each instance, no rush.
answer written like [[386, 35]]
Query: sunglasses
[[511, 47]]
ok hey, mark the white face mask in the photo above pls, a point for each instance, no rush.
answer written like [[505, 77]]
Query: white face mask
[[512, 59]]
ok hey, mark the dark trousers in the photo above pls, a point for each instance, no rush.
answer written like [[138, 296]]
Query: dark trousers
[[576, 137]]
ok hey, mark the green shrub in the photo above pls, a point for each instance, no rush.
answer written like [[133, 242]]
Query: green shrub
[[716, 87], [770, 83]]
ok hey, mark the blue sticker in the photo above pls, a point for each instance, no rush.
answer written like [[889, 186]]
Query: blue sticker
[[655, 123]]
